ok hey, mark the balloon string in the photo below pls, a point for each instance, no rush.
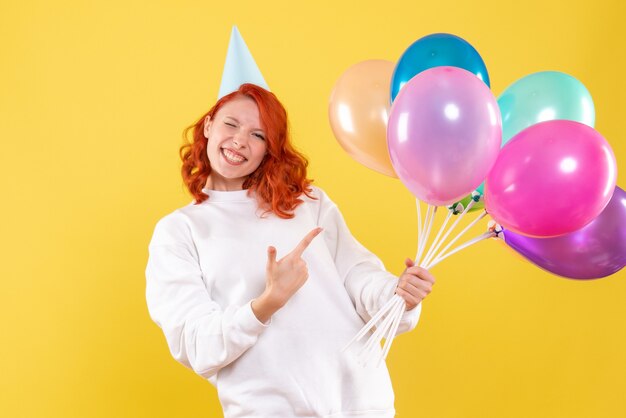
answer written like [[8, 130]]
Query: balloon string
[[420, 239], [394, 326], [460, 234], [372, 322], [396, 310], [432, 254], [366, 348], [401, 305], [419, 223], [436, 243], [461, 247], [392, 333], [376, 337], [384, 330], [395, 306], [432, 211]]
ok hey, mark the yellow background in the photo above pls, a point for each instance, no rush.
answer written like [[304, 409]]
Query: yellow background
[[93, 99]]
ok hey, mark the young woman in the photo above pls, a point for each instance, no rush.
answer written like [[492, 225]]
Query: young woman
[[258, 284]]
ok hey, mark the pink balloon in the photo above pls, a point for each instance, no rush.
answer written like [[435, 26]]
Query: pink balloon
[[552, 178], [444, 134]]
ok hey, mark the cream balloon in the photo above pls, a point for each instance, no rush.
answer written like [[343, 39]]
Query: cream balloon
[[359, 110]]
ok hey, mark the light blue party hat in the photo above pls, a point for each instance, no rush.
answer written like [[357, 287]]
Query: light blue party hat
[[239, 67]]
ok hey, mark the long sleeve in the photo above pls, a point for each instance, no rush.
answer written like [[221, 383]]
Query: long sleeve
[[200, 335], [366, 280]]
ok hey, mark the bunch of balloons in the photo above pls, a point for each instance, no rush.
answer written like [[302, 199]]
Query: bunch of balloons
[[531, 156], [432, 121], [553, 185]]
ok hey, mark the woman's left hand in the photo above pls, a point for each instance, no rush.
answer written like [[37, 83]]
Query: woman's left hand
[[414, 285]]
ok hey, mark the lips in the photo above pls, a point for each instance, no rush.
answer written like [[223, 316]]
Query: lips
[[233, 157]]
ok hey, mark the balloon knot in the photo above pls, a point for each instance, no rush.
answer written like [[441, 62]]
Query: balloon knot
[[494, 227], [456, 208]]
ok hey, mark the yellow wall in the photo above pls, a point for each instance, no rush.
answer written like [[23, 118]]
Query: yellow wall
[[93, 98]]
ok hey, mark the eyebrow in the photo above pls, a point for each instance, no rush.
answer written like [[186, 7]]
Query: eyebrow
[[237, 120]]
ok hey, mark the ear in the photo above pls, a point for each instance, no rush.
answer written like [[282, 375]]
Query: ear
[[207, 126]]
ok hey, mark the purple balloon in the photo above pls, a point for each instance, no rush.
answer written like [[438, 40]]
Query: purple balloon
[[551, 179], [597, 250], [444, 134]]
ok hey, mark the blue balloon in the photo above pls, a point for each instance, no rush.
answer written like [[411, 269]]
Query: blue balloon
[[437, 50]]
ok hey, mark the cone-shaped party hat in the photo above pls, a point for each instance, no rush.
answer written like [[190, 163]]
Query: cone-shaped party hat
[[239, 67]]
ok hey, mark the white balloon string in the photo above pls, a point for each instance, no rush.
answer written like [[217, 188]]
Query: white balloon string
[[432, 210], [436, 243], [372, 322], [420, 239], [452, 227], [392, 333], [393, 314], [419, 225], [364, 352], [461, 247], [376, 338], [394, 307], [459, 235], [399, 308], [377, 335]]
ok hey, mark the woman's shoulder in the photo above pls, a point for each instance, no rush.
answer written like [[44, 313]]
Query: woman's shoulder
[[319, 202], [317, 195], [173, 227], [319, 198]]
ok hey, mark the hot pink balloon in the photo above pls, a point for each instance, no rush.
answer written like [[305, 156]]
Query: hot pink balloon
[[551, 179], [444, 134]]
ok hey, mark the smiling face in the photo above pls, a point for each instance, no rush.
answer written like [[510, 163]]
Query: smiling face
[[236, 143]]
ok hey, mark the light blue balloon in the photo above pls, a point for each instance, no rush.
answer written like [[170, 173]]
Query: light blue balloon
[[543, 96]]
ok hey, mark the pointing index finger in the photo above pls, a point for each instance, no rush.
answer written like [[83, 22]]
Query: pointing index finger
[[302, 245]]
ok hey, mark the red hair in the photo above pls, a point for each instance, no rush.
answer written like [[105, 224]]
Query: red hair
[[281, 177]]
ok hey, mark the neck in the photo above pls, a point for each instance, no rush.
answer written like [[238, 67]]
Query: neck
[[223, 185]]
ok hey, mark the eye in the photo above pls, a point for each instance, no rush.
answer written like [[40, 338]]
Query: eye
[[259, 136], [230, 124]]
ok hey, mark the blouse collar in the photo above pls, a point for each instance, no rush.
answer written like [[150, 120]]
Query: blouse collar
[[228, 196]]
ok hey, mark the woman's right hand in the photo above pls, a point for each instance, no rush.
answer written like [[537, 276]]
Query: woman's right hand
[[283, 278]]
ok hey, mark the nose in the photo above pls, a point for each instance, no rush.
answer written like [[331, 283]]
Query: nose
[[239, 140]]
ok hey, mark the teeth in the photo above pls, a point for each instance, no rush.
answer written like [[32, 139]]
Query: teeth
[[233, 157]]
